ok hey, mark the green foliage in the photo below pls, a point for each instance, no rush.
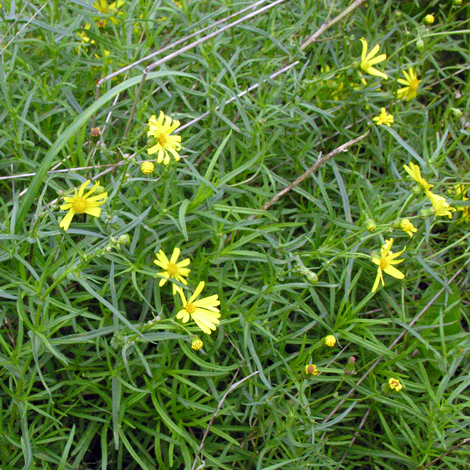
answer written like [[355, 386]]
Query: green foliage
[[97, 371]]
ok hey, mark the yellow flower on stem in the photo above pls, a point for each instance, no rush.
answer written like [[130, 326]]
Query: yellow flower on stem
[[395, 384], [161, 129], [203, 311], [384, 118], [147, 168], [82, 203], [408, 227], [311, 369], [386, 262], [368, 60], [172, 269], [440, 205], [411, 85], [414, 171], [102, 7]]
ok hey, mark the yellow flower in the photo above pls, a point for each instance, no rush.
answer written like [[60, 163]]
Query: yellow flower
[[368, 60], [429, 19], [461, 190], [384, 118], [197, 344], [147, 168], [102, 7], [171, 268], [411, 85], [166, 143], [311, 369], [440, 205], [82, 203], [330, 340], [203, 311], [386, 262], [408, 227], [415, 173], [395, 384]]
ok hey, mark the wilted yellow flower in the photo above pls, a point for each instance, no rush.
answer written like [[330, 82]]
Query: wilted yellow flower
[[429, 19], [82, 203], [408, 227], [330, 340], [102, 7], [384, 118], [414, 171], [395, 384], [203, 311], [311, 369], [161, 129], [440, 205], [386, 262], [411, 85], [368, 60], [147, 168], [171, 268]]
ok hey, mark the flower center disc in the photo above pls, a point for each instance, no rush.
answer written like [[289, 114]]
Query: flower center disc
[[190, 308], [79, 205], [162, 140], [172, 269]]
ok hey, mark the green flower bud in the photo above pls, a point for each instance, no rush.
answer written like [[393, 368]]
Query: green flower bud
[[370, 225], [456, 112], [425, 213], [420, 44], [124, 239]]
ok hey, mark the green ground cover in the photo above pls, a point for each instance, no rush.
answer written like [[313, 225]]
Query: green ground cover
[[248, 248]]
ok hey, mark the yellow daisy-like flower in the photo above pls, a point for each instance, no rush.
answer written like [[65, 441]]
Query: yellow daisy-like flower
[[311, 369], [102, 7], [368, 60], [147, 168], [411, 85], [161, 129], [330, 340], [384, 118], [408, 227], [395, 384], [414, 171], [82, 203], [386, 262], [172, 269], [203, 311], [440, 205]]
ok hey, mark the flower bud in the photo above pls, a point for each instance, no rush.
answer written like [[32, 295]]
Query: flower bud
[[124, 239], [95, 134], [425, 213], [456, 112], [196, 343], [329, 340], [370, 225], [147, 168], [457, 2], [420, 44], [429, 19]]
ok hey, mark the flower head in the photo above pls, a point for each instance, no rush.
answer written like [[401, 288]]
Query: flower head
[[368, 60], [161, 129], [440, 205], [196, 343], [429, 19], [82, 203], [395, 384], [147, 168], [330, 340], [414, 171], [311, 369], [384, 118], [171, 268], [408, 227], [102, 7], [411, 85], [386, 262], [203, 311]]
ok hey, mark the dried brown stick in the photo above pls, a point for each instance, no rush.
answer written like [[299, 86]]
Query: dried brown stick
[[313, 168], [230, 389], [327, 24]]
